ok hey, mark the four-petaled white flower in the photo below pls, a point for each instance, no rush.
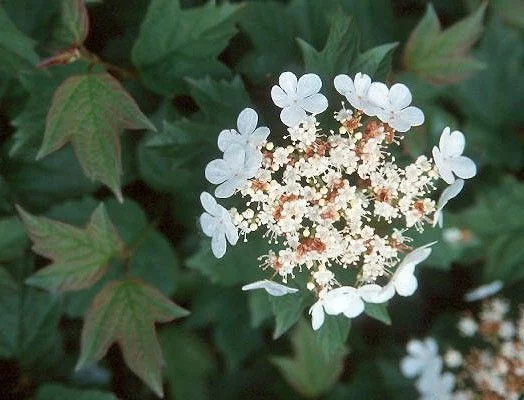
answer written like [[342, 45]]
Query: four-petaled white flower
[[355, 91], [247, 135], [273, 288], [449, 159], [422, 358], [436, 386], [233, 171], [297, 97], [449, 193], [392, 106], [217, 224], [343, 300]]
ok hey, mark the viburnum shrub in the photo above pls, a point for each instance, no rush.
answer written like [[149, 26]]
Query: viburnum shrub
[[333, 201]]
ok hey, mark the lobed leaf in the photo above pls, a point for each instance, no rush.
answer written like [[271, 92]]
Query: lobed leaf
[[90, 111], [125, 312], [80, 256]]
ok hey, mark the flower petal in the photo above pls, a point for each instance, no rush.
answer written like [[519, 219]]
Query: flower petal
[[234, 158], [443, 167], [413, 115], [378, 94], [218, 245], [217, 171], [208, 224], [259, 136], [209, 203], [453, 144], [354, 307], [247, 121], [292, 115], [463, 167], [449, 193], [317, 315], [228, 227], [315, 104], [279, 97], [484, 291], [376, 294], [273, 288], [227, 188], [399, 96], [344, 84], [228, 137], [406, 284], [308, 84], [288, 82], [411, 367]]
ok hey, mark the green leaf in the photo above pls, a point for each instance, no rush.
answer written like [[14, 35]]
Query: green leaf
[[6, 282], [375, 62], [125, 312], [378, 312], [90, 111], [340, 50], [288, 309], [442, 56], [331, 337], [260, 307], [309, 372], [174, 44], [189, 363], [16, 50], [54, 392], [75, 22], [13, 240], [80, 256]]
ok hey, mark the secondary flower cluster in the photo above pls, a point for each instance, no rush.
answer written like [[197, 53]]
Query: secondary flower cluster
[[494, 370], [333, 200]]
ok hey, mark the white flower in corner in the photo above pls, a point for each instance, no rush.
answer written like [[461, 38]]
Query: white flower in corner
[[233, 171], [273, 288], [217, 224], [449, 159], [392, 106], [343, 300], [247, 135], [422, 359], [355, 91], [403, 280], [449, 193], [297, 97]]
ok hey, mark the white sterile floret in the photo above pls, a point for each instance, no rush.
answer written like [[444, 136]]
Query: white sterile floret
[[273, 288], [422, 358], [437, 386], [233, 171], [391, 106], [355, 91], [217, 224], [297, 97], [343, 300], [484, 291], [449, 193], [247, 135], [448, 157]]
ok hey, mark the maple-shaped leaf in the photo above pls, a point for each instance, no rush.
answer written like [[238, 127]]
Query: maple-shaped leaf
[[16, 50], [90, 111], [80, 256], [441, 56], [125, 312]]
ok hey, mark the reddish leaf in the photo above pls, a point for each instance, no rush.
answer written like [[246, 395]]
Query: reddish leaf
[[80, 256], [125, 312], [90, 111]]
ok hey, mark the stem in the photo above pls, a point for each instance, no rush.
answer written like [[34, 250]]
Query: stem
[[93, 59]]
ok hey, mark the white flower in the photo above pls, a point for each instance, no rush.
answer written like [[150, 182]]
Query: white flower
[[467, 326], [373, 293], [422, 358], [391, 106], [343, 300], [449, 159], [355, 91], [403, 280], [247, 135], [483, 291], [233, 170], [217, 224], [297, 97], [449, 193], [436, 387], [273, 288]]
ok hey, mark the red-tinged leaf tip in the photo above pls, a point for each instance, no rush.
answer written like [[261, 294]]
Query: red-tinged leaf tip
[[125, 312], [67, 56]]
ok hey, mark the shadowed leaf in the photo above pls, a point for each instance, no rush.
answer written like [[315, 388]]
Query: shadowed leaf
[[54, 392], [90, 111], [80, 256], [125, 312], [75, 21]]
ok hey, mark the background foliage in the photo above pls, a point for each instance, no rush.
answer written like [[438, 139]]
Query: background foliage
[[109, 111]]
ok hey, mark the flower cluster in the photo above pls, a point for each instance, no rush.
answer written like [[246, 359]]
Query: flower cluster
[[334, 200], [495, 370]]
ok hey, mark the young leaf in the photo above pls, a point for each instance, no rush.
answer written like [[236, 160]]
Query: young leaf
[[75, 21], [80, 256], [309, 372], [16, 50], [13, 240], [174, 44], [332, 335], [90, 111], [376, 62], [378, 312], [288, 309], [54, 392], [125, 312], [442, 56]]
